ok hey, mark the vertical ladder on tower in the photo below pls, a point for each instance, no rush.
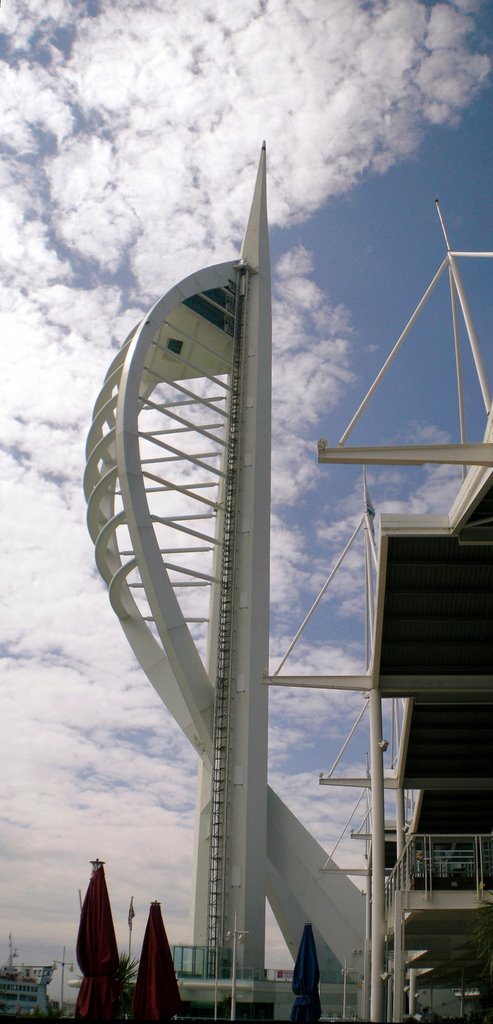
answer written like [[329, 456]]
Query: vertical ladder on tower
[[222, 697]]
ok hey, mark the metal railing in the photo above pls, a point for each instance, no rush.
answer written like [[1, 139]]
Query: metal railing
[[431, 863], [194, 962]]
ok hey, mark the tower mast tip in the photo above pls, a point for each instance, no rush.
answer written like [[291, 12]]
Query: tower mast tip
[[255, 248]]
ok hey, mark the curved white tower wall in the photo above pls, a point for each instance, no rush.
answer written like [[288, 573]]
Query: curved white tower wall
[[178, 490]]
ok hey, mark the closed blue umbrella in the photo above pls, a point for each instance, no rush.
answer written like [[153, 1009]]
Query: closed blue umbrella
[[306, 976]]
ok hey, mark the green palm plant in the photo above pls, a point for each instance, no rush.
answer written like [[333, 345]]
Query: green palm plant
[[126, 975], [482, 932], [483, 936]]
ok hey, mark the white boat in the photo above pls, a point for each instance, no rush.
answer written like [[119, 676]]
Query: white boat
[[22, 987]]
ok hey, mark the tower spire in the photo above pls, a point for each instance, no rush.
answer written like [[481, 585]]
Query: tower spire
[[255, 247]]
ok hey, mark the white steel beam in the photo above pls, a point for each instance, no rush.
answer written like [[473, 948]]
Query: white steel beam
[[329, 900], [409, 455], [356, 782], [362, 683], [395, 350], [471, 332]]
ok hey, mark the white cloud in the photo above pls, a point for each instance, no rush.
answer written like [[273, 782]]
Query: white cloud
[[147, 108], [131, 135]]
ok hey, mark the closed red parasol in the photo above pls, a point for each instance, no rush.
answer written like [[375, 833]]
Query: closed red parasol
[[156, 991], [97, 953]]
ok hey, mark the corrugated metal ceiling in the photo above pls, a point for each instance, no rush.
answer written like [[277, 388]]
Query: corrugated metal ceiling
[[438, 621]]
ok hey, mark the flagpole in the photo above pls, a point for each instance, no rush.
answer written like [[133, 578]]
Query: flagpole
[[131, 915]]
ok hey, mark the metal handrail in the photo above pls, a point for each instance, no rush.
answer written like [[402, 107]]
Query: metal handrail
[[436, 861]]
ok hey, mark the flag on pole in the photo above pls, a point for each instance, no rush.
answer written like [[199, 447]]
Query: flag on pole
[[369, 506], [131, 915]]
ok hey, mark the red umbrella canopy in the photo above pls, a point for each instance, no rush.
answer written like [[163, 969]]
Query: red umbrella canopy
[[97, 953], [156, 994]]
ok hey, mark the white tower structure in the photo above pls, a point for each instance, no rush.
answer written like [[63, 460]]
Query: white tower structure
[[178, 490]]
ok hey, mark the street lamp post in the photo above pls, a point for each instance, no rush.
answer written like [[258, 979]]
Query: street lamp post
[[236, 936], [344, 989], [216, 979], [63, 963], [345, 971]]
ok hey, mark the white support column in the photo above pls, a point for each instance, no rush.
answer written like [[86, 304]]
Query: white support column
[[471, 333], [400, 820], [389, 993], [399, 960], [413, 976], [367, 960], [378, 858], [201, 854]]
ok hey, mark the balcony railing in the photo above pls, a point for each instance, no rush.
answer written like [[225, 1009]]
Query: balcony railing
[[433, 863], [200, 962]]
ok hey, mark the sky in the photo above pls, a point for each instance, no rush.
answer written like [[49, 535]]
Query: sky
[[130, 136]]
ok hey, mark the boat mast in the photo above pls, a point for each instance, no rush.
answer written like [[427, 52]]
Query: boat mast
[[12, 952]]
